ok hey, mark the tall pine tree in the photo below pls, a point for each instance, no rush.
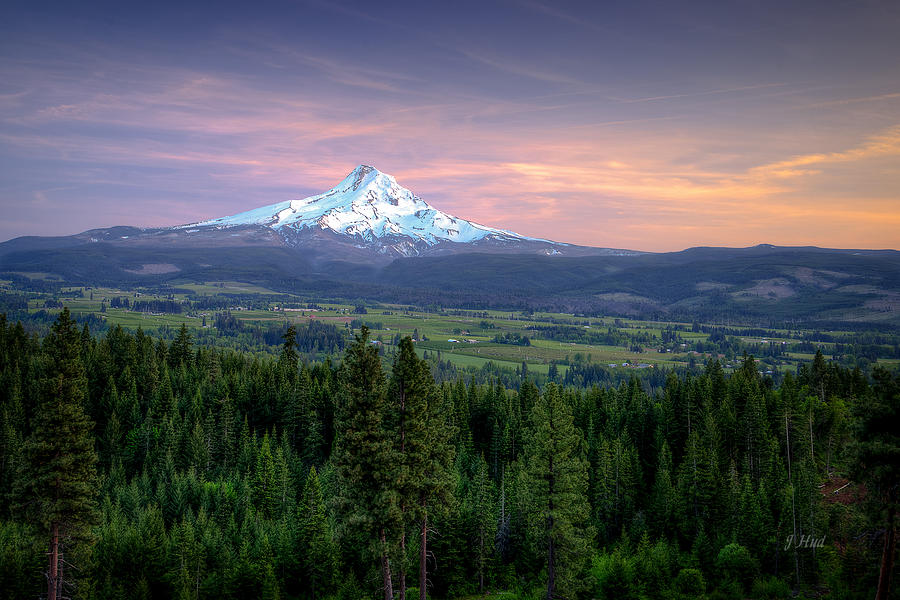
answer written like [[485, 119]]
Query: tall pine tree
[[411, 384], [556, 475], [876, 461], [421, 431], [59, 479], [365, 456]]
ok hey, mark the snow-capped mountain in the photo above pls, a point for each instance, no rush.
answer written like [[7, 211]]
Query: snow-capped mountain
[[373, 209], [365, 222]]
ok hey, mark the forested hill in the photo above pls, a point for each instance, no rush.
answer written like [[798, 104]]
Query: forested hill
[[168, 470], [759, 286]]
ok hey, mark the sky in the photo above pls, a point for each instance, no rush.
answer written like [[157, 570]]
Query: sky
[[649, 125]]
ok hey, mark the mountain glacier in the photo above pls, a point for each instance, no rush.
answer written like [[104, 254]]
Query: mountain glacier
[[374, 208]]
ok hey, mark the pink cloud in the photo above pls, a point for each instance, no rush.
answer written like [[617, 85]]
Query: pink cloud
[[655, 182]]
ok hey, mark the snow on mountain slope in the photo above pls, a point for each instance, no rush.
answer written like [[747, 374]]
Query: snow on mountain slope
[[372, 205]]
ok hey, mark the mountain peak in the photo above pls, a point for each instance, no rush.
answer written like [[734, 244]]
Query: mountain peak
[[372, 207], [361, 174]]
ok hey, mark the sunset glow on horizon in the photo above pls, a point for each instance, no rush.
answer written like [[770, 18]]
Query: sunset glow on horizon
[[642, 125]]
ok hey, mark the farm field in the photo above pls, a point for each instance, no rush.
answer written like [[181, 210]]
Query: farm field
[[465, 338]]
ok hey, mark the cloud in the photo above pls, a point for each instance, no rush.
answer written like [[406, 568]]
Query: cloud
[[364, 77], [515, 68], [353, 12], [728, 90], [195, 144], [554, 11], [845, 101], [885, 143]]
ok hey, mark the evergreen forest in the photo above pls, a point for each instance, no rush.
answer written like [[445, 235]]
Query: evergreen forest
[[135, 467]]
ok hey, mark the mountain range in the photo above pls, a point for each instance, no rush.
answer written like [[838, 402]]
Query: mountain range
[[369, 237]]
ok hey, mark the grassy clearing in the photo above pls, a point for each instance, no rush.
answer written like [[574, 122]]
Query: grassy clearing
[[226, 287], [435, 330]]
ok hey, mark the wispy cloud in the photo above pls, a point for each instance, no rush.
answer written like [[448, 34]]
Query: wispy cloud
[[354, 75], [515, 68], [728, 90], [556, 12], [885, 143], [353, 12], [549, 155], [845, 101]]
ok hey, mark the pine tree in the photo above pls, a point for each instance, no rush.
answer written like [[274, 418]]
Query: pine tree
[[664, 502], [225, 445], [365, 457], [751, 530], [269, 586], [289, 354], [436, 493], [556, 476], [60, 471], [410, 385], [483, 520], [265, 486], [604, 499], [422, 441], [616, 486], [10, 450], [181, 351], [284, 485], [199, 448], [312, 426], [188, 560], [753, 426], [876, 461], [315, 539]]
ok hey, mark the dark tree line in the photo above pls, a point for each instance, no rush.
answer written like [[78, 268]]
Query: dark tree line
[[134, 467], [157, 306]]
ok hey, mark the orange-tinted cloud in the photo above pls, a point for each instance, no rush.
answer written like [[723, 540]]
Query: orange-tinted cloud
[[587, 172]]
